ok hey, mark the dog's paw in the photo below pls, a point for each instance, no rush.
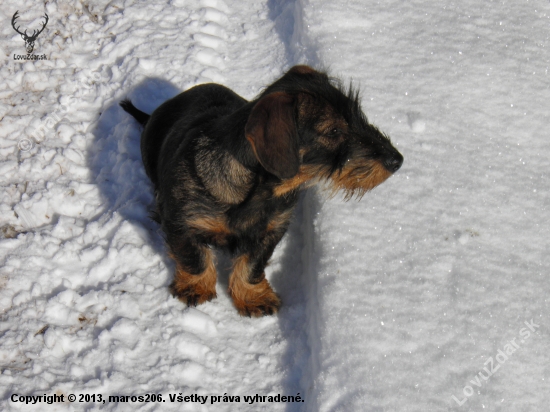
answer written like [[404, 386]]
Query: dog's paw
[[255, 300], [267, 308], [194, 290], [192, 294]]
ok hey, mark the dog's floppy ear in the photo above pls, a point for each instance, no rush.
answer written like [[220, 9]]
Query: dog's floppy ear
[[271, 130]]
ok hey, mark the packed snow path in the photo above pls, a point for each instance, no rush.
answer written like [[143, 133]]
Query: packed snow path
[[84, 294], [396, 302]]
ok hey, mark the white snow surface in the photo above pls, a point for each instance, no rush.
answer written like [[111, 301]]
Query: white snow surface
[[405, 300]]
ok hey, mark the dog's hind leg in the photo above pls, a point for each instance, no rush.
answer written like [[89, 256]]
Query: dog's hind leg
[[195, 279]]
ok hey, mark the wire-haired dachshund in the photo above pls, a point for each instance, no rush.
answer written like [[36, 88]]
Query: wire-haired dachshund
[[227, 173]]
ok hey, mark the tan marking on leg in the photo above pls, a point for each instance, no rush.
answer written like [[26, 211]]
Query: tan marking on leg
[[251, 300], [195, 289]]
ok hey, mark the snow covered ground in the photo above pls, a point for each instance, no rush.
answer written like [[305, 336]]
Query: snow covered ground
[[404, 301]]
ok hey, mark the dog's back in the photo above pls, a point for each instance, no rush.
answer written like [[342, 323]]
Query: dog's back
[[169, 128]]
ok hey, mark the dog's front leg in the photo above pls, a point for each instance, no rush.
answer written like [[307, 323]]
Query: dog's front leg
[[251, 292], [195, 279]]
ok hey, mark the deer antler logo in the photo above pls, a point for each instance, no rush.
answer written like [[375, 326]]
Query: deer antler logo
[[29, 40]]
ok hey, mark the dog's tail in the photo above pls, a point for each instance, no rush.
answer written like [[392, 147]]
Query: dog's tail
[[140, 116]]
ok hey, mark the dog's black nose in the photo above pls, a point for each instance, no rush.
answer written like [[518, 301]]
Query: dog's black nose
[[393, 162]]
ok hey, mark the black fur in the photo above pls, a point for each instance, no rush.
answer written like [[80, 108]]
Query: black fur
[[227, 172]]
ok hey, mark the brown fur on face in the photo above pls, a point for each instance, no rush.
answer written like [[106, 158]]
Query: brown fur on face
[[227, 173], [357, 178]]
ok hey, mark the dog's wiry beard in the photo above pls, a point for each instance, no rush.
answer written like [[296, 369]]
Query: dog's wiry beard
[[357, 178], [354, 179]]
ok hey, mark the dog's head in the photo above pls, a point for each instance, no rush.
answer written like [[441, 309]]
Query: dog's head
[[305, 127]]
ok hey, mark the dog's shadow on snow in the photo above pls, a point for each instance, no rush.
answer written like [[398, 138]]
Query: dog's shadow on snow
[[116, 166]]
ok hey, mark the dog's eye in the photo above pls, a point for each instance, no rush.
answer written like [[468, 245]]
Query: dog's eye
[[334, 132]]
